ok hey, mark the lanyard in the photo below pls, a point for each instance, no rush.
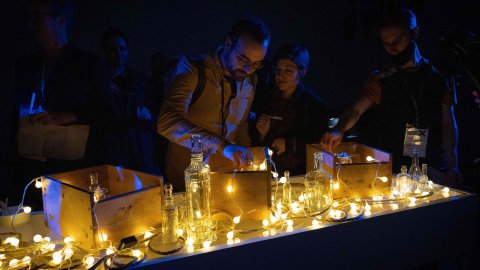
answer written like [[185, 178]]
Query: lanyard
[[226, 109]]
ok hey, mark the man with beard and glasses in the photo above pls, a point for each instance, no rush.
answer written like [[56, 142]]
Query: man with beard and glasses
[[411, 96], [211, 95]]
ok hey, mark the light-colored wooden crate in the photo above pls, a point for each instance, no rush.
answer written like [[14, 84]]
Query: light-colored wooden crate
[[251, 189], [132, 205], [358, 179]]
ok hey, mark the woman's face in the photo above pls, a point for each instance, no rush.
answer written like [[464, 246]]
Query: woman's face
[[287, 75]]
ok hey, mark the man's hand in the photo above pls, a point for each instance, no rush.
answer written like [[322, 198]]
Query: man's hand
[[331, 139], [279, 145], [263, 126], [240, 156], [54, 118]]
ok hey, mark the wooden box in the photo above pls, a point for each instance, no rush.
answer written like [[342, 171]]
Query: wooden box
[[360, 178], [131, 206], [250, 190]]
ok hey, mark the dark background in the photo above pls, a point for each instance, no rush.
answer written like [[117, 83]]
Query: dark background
[[344, 46]]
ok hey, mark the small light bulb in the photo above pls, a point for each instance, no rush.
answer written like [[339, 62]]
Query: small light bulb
[[263, 166], [446, 190], [230, 241], [68, 239], [270, 152], [27, 259], [315, 223], [336, 185], [190, 249], [279, 205], [394, 206], [283, 180], [14, 241], [275, 175], [206, 244], [2, 256], [27, 209], [89, 261], [37, 238], [68, 252], [412, 199], [137, 253], [335, 204], [198, 214], [230, 188], [230, 235], [190, 241], [13, 263], [109, 251], [236, 219], [102, 237], [289, 222], [368, 213], [265, 222], [265, 233], [294, 207], [179, 232], [301, 198], [384, 179], [425, 193], [46, 239], [289, 229], [38, 184], [368, 207], [50, 247], [57, 257], [237, 240], [148, 234], [284, 216]]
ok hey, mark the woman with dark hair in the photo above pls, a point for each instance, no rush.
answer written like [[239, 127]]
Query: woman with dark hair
[[291, 114]]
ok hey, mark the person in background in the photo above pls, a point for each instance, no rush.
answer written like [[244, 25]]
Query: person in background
[[215, 104], [129, 136], [291, 114], [410, 93], [58, 86]]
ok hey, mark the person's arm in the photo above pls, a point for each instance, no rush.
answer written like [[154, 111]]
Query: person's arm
[[450, 140]]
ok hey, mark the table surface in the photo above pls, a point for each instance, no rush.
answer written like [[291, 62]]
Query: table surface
[[449, 216]]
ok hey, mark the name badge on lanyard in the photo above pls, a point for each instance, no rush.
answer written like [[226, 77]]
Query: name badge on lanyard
[[415, 138]]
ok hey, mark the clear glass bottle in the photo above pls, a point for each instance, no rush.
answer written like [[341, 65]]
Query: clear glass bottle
[[318, 187], [169, 217], [287, 189], [403, 183], [197, 184], [423, 182], [415, 171]]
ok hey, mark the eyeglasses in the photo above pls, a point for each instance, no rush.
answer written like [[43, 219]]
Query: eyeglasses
[[245, 62]]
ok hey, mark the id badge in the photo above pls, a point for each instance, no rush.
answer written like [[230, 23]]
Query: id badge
[[415, 138]]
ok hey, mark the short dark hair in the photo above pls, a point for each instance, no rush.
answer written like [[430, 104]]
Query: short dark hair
[[251, 26], [112, 33], [295, 52], [57, 7], [399, 16]]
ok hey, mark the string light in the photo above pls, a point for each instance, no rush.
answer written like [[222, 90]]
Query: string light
[[57, 257], [236, 219], [315, 223], [289, 222], [46, 239], [336, 185], [265, 233], [265, 222], [68, 239], [206, 244], [27, 209], [230, 188], [190, 241], [149, 234], [89, 261], [102, 237], [370, 159], [384, 179], [230, 235], [38, 183], [13, 263], [137, 253], [445, 190], [179, 232]]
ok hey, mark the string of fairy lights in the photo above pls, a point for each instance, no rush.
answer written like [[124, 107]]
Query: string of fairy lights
[[287, 207]]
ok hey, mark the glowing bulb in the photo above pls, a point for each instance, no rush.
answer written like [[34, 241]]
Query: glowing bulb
[[384, 179], [425, 193], [412, 199], [2, 257], [284, 216], [283, 179], [37, 238], [446, 190], [265, 222], [148, 234], [109, 251], [13, 263], [46, 239], [336, 185], [273, 219], [68, 239], [263, 166], [315, 223], [270, 152], [236, 219], [370, 159], [179, 232], [1, 263], [12, 241], [198, 214], [294, 207], [289, 222], [27, 259], [368, 207], [230, 188], [68, 252], [89, 261], [230, 241], [57, 257], [230, 235], [275, 175], [137, 253], [273, 232], [38, 184], [279, 205], [27, 209], [335, 204], [102, 237], [368, 213], [301, 198], [50, 247], [190, 241], [265, 233], [237, 240], [206, 244], [289, 229], [190, 249]]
